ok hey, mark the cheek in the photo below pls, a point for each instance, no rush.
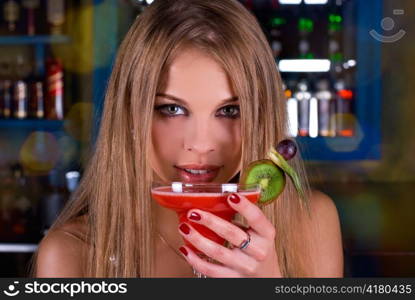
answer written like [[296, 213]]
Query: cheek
[[236, 134], [228, 132], [230, 135], [166, 139]]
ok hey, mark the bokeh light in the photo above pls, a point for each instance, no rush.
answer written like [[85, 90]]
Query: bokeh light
[[80, 54], [69, 150], [347, 144], [78, 122], [77, 53], [40, 152]]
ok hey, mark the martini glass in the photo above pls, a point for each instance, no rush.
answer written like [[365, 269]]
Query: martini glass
[[211, 197]]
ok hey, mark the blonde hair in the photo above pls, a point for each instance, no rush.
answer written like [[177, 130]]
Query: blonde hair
[[115, 190]]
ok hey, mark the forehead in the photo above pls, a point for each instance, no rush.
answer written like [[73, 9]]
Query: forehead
[[194, 74]]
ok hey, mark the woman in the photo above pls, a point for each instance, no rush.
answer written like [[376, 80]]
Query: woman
[[194, 86]]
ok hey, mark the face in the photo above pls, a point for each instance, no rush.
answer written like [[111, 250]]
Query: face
[[196, 127]]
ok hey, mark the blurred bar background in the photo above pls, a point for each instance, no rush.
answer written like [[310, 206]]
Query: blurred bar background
[[347, 67]]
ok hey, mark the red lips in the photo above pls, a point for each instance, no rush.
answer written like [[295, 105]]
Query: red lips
[[199, 167], [186, 176]]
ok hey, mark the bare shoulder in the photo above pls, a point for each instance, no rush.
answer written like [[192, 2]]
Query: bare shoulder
[[325, 233], [61, 252], [323, 206]]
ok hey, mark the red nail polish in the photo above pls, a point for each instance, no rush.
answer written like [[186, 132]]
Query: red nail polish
[[184, 228], [234, 198], [195, 216], [183, 250]]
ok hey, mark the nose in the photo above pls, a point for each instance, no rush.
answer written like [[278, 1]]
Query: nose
[[198, 137]]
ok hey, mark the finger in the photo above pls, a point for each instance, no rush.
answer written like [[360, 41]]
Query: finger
[[238, 261], [241, 225], [257, 247], [230, 232], [207, 268], [253, 214]]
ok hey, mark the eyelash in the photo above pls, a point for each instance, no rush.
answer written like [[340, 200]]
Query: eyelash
[[161, 107]]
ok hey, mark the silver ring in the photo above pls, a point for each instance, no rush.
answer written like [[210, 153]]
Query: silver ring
[[245, 243]]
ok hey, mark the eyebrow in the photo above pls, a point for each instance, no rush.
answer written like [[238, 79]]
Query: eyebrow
[[171, 97]]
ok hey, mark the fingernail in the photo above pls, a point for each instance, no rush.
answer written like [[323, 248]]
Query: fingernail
[[184, 228], [183, 250], [234, 198], [195, 216]]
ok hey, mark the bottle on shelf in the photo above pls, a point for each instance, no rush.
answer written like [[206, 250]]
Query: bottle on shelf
[[31, 6], [11, 13], [6, 99], [303, 96], [54, 97], [20, 100], [325, 108], [313, 127], [56, 15], [345, 119], [292, 110], [36, 100]]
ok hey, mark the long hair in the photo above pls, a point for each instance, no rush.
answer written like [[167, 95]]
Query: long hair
[[114, 192]]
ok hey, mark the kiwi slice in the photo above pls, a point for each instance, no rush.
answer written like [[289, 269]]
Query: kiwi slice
[[268, 175]]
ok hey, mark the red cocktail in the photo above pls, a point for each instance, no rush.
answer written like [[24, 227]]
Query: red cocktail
[[211, 197]]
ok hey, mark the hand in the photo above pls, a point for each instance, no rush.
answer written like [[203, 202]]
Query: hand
[[259, 259]]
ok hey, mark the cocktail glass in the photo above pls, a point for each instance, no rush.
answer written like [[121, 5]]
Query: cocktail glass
[[211, 197]]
